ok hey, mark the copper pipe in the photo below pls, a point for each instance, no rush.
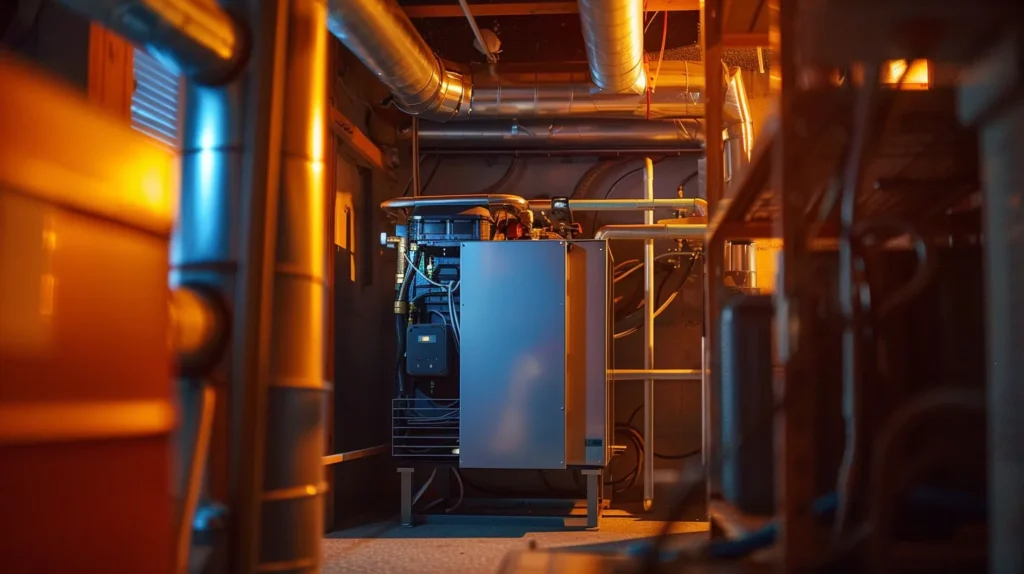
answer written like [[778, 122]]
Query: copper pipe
[[491, 200], [656, 231], [198, 37], [654, 374]]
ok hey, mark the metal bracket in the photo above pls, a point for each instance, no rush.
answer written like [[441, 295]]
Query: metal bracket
[[593, 497], [406, 496]]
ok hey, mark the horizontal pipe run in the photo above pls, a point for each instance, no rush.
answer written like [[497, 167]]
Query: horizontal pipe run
[[567, 152], [552, 135], [627, 204], [197, 37], [655, 231], [654, 374], [354, 454], [491, 200]]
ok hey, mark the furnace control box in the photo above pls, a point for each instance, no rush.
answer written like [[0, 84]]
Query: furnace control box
[[427, 350]]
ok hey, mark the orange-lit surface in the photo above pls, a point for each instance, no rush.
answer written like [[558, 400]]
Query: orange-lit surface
[[86, 405], [914, 78], [766, 257]]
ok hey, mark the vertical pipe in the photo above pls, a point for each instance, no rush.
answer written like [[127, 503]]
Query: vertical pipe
[[212, 247], [649, 304], [293, 476], [416, 157]]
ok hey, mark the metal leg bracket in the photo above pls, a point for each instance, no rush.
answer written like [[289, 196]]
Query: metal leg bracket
[[406, 496], [593, 497]]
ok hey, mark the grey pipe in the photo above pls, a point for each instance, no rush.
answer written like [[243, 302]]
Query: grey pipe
[[613, 31], [554, 135], [489, 200], [649, 304], [197, 37]]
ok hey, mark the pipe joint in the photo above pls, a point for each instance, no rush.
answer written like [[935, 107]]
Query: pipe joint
[[198, 329]]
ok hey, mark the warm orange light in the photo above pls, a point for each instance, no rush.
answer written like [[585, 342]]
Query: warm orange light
[[915, 77]]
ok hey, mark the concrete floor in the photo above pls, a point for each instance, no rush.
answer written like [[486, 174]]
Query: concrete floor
[[477, 546]]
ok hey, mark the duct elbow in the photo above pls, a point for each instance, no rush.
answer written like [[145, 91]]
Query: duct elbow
[[441, 101]]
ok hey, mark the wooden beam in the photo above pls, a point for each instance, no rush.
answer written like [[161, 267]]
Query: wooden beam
[[354, 139], [531, 8]]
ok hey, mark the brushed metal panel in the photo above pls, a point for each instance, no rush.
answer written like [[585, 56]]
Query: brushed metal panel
[[589, 390], [513, 356]]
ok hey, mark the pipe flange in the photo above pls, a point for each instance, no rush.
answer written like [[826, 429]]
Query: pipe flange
[[199, 329]]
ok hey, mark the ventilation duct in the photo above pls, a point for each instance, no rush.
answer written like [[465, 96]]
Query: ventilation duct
[[565, 90], [614, 34], [380, 34]]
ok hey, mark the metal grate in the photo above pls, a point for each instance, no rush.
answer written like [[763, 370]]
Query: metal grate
[[425, 428], [156, 105]]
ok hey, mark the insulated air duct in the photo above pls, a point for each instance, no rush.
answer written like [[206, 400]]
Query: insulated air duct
[[614, 33], [380, 34]]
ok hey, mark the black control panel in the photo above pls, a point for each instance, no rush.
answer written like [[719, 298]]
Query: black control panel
[[426, 352]]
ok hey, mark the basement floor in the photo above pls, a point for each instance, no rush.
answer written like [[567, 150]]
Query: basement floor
[[478, 545]]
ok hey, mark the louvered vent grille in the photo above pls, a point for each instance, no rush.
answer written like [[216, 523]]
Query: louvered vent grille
[[155, 102]]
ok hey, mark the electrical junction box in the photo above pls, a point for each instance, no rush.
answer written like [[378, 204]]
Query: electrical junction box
[[426, 350]]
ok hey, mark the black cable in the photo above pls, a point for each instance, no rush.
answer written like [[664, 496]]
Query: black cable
[[688, 179], [687, 454], [634, 320], [426, 183], [504, 179]]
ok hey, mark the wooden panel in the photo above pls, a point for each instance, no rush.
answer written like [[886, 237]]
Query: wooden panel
[[110, 71], [356, 141], [531, 8]]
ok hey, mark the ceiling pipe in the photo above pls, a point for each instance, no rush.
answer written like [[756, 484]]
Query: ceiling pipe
[[614, 35], [196, 37], [555, 135], [380, 34], [565, 90]]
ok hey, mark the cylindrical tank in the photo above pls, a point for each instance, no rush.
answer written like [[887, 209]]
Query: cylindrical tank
[[747, 468]]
